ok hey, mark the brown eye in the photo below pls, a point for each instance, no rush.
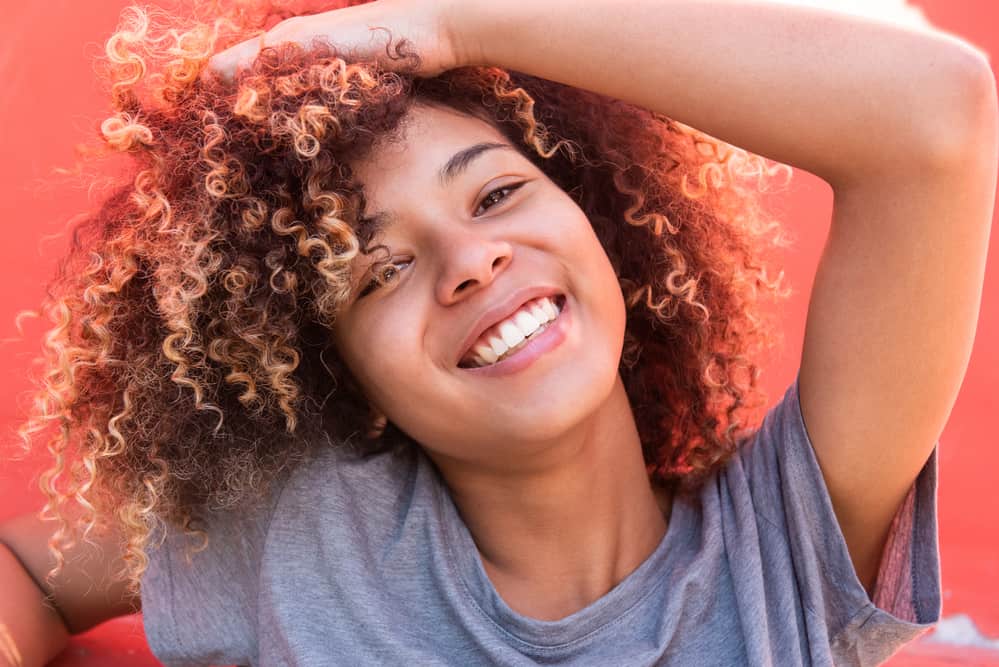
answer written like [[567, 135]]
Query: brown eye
[[388, 273], [490, 200], [493, 197]]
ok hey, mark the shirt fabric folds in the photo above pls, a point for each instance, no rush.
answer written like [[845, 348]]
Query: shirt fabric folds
[[368, 562]]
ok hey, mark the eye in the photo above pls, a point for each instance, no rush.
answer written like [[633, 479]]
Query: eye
[[492, 198], [388, 273], [489, 198]]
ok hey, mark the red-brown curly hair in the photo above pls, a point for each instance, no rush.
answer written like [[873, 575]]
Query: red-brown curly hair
[[189, 362]]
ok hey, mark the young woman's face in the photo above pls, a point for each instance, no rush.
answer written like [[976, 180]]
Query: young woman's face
[[461, 252]]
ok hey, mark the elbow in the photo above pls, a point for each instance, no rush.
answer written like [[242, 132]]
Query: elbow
[[964, 126]]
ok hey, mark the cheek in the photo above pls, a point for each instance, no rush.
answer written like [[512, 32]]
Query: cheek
[[386, 363], [599, 282]]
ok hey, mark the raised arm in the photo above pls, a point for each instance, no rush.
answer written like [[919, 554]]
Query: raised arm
[[804, 86], [901, 122]]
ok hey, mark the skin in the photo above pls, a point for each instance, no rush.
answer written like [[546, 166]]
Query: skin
[[887, 342], [544, 465]]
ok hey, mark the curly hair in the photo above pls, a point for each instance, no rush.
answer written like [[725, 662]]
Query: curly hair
[[189, 363]]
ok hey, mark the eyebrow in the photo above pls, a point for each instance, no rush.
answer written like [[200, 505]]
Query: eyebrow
[[454, 167], [460, 161]]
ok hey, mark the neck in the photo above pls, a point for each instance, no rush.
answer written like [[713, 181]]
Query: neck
[[555, 539]]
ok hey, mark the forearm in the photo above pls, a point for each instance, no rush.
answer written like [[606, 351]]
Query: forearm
[[31, 633], [836, 95]]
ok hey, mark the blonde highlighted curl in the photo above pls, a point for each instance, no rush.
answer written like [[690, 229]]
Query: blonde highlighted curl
[[189, 363]]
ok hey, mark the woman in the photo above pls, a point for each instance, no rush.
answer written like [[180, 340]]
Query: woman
[[440, 334]]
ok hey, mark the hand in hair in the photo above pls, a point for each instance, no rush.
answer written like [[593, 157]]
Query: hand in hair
[[386, 31]]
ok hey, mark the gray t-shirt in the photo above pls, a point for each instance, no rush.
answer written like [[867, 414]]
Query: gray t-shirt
[[360, 562]]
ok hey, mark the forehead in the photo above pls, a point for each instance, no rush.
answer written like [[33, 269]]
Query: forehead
[[426, 139], [431, 148], [429, 152]]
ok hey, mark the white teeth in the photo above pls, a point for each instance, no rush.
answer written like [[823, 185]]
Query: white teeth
[[513, 332], [549, 308], [486, 352], [539, 313], [526, 322], [510, 333], [498, 346]]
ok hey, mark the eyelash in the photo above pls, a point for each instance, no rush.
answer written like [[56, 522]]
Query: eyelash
[[371, 286]]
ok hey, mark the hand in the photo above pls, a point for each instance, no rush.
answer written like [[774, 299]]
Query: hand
[[363, 32]]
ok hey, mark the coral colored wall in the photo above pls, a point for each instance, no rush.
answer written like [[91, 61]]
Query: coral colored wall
[[50, 101]]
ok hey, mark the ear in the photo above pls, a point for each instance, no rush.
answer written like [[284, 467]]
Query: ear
[[376, 423]]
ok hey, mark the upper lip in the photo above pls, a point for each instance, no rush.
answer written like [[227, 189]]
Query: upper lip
[[502, 310]]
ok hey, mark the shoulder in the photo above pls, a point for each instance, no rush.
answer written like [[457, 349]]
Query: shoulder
[[342, 491], [338, 469], [781, 511]]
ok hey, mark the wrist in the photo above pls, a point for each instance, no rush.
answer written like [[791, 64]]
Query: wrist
[[458, 25]]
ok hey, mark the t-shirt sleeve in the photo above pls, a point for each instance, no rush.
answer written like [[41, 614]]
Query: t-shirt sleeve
[[204, 613], [791, 501]]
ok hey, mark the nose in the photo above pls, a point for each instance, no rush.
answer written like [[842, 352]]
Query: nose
[[471, 261]]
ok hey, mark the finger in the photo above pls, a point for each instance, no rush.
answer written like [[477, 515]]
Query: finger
[[228, 61]]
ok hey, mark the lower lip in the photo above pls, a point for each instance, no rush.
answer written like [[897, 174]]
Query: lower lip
[[544, 342]]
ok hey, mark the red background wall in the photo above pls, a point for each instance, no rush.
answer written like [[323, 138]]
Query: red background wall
[[50, 102]]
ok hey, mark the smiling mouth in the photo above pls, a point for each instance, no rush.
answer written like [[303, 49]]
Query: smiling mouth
[[559, 302]]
